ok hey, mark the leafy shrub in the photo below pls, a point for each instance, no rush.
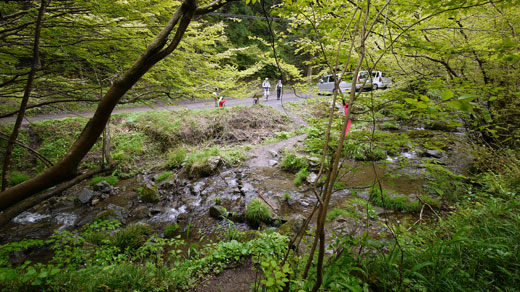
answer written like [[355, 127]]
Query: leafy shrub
[[258, 212], [292, 162], [132, 237], [390, 126]]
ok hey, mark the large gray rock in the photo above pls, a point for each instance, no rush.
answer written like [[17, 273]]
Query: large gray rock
[[293, 225], [85, 196], [202, 169], [433, 153]]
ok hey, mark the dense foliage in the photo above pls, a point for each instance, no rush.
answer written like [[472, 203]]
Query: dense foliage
[[455, 68]]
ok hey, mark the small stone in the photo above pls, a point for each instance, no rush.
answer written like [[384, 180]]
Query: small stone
[[95, 202], [85, 196], [273, 162], [198, 187], [363, 195], [312, 177], [273, 153], [314, 161], [103, 187], [217, 212]]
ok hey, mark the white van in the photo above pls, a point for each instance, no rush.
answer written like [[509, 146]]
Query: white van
[[327, 83], [378, 80]]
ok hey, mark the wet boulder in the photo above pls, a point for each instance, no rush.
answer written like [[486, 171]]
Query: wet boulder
[[433, 153], [103, 187], [148, 193], [293, 225], [206, 167], [85, 196], [218, 212], [140, 212]]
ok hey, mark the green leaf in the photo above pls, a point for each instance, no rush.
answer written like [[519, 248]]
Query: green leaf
[[448, 94]]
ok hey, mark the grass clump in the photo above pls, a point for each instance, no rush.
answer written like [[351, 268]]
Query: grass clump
[[398, 203], [132, 237], [258, 212], [175, 158], [163, 176], [112, 180], [293, 163], [301, 176], [336, 212]]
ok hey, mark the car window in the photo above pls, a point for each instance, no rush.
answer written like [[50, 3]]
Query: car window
[[363, 75], [348, 77], [374, 74]]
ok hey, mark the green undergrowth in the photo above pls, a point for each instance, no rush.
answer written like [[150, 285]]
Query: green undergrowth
[[389, 200], [102, 258], [356, 208], [145, 141], [293, 162]]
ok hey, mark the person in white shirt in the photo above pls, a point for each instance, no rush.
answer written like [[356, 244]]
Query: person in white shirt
[[266, 85], [278, 89]]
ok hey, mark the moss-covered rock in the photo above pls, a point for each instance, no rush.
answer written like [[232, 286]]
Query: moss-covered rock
[[148, 193]]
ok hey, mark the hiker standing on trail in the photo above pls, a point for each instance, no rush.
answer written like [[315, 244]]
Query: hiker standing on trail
[[266, 85], [278, 89]]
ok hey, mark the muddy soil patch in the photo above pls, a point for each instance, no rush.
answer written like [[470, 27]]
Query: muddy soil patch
[[238, 278]]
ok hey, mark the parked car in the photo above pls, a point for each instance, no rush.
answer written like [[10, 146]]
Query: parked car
[[378, 80], [327, 83]]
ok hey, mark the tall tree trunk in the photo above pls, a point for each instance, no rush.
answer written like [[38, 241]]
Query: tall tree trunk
[[156, 51], [26, 94]]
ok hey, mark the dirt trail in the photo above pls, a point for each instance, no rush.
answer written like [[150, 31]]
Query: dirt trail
[[261, 156], [199, 104]]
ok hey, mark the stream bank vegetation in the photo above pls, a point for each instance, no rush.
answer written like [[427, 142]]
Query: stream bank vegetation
[[429, 168]]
